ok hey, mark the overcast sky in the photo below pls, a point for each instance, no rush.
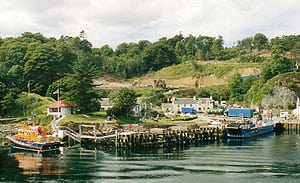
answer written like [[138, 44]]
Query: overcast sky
[[116, 21]]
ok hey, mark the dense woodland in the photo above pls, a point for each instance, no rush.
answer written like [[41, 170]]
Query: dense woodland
[[34, 63]]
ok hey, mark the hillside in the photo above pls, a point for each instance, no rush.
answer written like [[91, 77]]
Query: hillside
[[188, 74]]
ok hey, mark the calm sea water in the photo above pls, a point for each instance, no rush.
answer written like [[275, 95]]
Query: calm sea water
[[269, 159]]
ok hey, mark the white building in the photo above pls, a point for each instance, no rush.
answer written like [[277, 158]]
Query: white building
[[205, 104], [60, 108], [106, 103], [178, 105]]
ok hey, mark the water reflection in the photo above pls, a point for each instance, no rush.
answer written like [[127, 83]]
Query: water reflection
[[34, 163], [271, 159], [238, 142], [176, 152]]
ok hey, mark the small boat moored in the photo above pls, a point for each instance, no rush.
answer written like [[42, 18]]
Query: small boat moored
[[34, 138], [248, 129]]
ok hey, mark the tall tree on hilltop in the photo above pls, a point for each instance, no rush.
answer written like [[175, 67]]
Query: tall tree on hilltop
[[79, 85], [204, 44], [217, 47], [260, 41]]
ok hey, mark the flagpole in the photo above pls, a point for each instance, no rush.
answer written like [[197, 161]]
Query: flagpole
[[58, 103], [58, 95]]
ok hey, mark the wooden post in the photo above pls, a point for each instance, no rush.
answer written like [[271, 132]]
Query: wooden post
[[116, 139], [80, 133]]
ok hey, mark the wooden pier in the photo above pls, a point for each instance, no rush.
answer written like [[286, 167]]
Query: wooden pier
[[288, 126], [168, 138], [157, 137]]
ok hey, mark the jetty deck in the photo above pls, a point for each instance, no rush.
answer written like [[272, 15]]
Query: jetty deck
[[155, 137]]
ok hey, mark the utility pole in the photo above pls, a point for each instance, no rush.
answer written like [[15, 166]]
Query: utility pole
[[28, 86]]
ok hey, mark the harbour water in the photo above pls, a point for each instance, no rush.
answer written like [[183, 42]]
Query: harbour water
[[268, 159]]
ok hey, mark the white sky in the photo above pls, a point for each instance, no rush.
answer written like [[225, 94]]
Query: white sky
[[116, 21]]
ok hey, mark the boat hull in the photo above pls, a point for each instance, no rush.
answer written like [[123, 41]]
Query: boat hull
[[249, 132], [34, 146]]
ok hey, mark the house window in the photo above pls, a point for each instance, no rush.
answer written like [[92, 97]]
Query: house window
[[54, 110]]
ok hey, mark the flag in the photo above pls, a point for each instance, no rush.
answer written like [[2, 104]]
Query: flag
[[56, 91]]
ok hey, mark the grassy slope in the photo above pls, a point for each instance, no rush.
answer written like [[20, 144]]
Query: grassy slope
[[220, 69], [32, 104]]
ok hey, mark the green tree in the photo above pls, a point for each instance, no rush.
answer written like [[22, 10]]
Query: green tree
[[106, 51], [174, 40], [235, 87], [66, 58], [157, 56], [124, 102], [203, 93], [42, 68], [247, 83], [296, 54], [245, 45], [143, 44], [217, 47], [33, 37], [3, 92], [134, 67], [277, 50], [179, 49], [7, 103], [204, 44], [15, 54], [260, 41], [190, 46], [276, 65], [133, 51], [14, 77], [122, 49], [78, 86]]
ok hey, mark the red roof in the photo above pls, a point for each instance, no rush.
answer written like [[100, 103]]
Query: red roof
[[60, 103]]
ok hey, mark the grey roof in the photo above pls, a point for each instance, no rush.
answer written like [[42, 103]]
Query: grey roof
[[205, 99], [185, 101], [106, 102]]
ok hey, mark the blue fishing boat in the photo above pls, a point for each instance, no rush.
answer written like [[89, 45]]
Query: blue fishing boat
[[250, 128]]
